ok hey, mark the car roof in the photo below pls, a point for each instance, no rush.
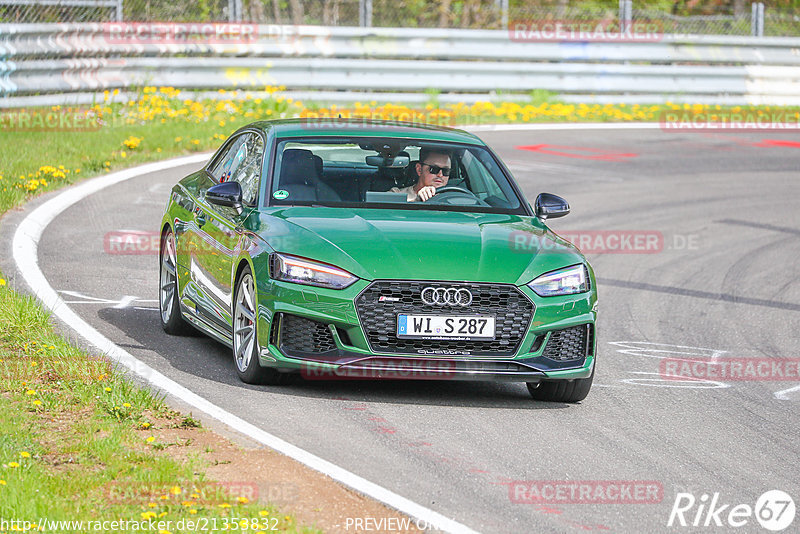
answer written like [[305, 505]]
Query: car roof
[[335, 127]]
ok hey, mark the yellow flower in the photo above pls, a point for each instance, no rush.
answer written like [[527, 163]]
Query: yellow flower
[[145, 425], [37, 402], [126, 404], [13, 464], [123, 154], [192, 511], [243, 500], [107, 389], [25, 454], [2, 482], [151, 505], [30, 392], [150, 439], [224, 505], [2, 282], [175, 490], [147, 515], [263, 513]]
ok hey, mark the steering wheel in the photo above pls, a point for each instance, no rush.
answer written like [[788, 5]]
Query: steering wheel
[[445, 195]]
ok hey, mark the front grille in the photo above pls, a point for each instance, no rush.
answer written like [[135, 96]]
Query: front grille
[[511, 309], [300, 335], [569, 344]]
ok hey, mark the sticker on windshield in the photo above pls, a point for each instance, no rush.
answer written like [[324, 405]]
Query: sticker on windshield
[[280, 194]]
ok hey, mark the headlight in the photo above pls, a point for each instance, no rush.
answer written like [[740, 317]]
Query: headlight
[[302, 271], [567, 281]]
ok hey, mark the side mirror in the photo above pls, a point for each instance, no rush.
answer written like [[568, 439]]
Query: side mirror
[[228, 194], [549, 205]]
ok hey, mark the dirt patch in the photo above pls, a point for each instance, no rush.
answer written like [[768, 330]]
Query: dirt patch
[[263, 475]]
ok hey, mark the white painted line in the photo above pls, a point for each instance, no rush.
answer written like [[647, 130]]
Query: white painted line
[[25, 250], [784, 394]]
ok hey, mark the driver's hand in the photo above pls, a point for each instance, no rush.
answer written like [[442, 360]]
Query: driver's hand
[[426, 192]]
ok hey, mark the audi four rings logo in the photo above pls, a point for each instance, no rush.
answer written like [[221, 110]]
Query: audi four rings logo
[[446, 296]]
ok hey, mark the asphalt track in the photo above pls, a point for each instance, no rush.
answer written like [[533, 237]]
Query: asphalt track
[[722, 281]]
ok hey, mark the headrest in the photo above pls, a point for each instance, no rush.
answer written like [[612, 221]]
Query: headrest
[[298, 167]]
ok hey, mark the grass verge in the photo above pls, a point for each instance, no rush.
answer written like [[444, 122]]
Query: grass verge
[[78, 441]]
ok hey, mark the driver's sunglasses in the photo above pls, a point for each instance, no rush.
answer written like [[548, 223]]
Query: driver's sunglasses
[[434, 169]]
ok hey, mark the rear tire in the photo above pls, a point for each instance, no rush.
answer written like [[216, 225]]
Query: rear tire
[[562, 390], [245, 335], [169, 305]]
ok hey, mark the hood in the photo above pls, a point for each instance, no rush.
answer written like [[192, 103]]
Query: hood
[[419, 244]]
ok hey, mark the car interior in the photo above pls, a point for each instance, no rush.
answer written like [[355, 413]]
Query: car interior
[[315, 172]]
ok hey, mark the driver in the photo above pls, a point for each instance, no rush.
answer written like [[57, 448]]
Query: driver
[[433, 170]]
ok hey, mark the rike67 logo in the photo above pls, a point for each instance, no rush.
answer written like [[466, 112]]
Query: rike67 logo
[[774, 510]]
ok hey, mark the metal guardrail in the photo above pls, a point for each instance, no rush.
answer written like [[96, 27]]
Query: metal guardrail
[[54, 59]]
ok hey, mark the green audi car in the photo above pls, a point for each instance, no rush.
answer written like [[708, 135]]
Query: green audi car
[[342, 249]]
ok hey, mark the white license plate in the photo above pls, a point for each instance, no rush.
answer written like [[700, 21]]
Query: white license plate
[[445, 326]]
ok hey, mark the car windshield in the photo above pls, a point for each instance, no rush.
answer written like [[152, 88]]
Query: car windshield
[[390, 173]]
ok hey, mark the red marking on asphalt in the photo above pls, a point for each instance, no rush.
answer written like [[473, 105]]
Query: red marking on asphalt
[[442, 458], [578, 152], [548, 510], [777, 142]]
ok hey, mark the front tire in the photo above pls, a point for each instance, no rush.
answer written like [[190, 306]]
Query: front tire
[[172, 321], [245, 335], [562, 390]]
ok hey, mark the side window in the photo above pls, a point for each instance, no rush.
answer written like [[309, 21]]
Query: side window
[[478, 176], [226, 165], [248, 171], [242, 162], [483, 184]]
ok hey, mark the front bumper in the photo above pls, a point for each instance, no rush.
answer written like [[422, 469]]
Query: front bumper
[[345, 352]]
